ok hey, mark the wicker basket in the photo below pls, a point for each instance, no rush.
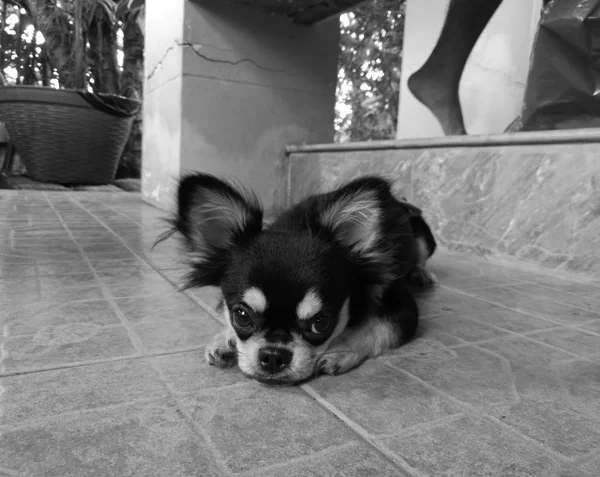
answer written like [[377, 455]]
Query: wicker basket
[[62, 137]]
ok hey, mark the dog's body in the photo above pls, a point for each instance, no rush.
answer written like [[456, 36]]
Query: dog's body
[[320, 289]]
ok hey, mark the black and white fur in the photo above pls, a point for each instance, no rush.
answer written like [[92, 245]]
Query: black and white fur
[[318, 290]]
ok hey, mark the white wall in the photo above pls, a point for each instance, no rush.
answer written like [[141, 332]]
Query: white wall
[[493, 82]]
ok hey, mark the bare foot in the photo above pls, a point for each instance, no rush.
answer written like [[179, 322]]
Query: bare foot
[[435, 84]]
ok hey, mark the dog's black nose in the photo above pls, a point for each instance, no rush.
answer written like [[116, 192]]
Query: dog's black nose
[[274, 359]]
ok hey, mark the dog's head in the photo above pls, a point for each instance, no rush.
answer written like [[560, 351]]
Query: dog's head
[[286, 286]]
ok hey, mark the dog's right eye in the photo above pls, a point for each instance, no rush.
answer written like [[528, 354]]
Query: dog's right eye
[[241, 318]]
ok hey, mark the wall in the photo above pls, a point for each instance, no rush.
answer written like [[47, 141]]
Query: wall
[[252, 84], [493, 82], [537, 202], [161, 143], [245, 84]]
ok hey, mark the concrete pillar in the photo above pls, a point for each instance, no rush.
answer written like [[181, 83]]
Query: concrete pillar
[[493, 82], [228, 90], [163, 85]]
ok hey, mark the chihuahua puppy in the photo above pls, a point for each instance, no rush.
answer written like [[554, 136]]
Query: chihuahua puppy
[[320, 289]]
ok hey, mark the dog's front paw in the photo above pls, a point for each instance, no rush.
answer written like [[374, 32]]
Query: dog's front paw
[[337, 363], [222, 352]]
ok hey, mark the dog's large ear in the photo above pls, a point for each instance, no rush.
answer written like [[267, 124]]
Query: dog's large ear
[[213, 216], [354, 214]]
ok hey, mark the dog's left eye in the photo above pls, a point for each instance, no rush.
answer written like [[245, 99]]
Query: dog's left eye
[[320, 325]]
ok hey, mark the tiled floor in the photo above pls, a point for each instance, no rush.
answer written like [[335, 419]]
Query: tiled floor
[[101, 368]]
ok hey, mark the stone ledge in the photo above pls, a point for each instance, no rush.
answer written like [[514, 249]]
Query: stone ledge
[[529, 201], [572, 136]]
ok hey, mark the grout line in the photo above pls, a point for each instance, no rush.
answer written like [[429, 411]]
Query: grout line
[[78, 364], [579, 294], [77, 412], [199, 430], [31, 335], [143, 257], [436, 390], [481, 412], [315, 456], [501, 305], [526, 336], [115, 325], [360, 432], [135, 339], [95, 199], [425, 426], [527, 267]]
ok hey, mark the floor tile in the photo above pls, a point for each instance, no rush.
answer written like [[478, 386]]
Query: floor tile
[[566, 286], [471, 447], [149, 439], [175, 275], [558, 312], [210, 296], [76, 389], [593, 326], [42, 255], [65, 344], [73, 294], [148, 284], [464, 276], [586, 469], [466, 328], [355, 459], [467, 283], [189, 372], [486, 389], [449, 265], [20, 270], [165, 260], [472, 376], [114, 246], [257, 426], [111, 255], [548, 413], [562, 430], [587, 303], [444, 302], [508, 296], [431, 330], [572, 340], [523, 352], [511, 320], [356, 393], [159, 308], [174, 335], [52, 284], [32, 317], [424, 348], [19, 288], [62, 268], [120, 271]]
